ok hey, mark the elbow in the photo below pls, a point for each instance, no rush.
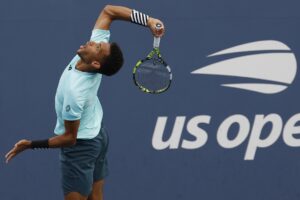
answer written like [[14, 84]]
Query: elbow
[[70, 140], [107, 7], [108, 10]]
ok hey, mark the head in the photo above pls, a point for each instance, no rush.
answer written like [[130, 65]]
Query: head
[[104, 58]]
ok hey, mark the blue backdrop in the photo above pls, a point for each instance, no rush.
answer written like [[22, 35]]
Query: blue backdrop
[[210, 128]]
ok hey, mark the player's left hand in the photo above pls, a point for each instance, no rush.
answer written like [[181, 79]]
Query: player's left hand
[[19, 147], [152, 25]]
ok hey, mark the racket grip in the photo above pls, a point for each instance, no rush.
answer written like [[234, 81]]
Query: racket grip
[[156, 42], [157, 39]]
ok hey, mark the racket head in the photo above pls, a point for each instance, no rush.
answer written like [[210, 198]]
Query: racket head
[[152, 75]]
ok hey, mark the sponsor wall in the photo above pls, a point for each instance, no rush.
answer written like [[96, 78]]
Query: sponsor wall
[[228, 128]]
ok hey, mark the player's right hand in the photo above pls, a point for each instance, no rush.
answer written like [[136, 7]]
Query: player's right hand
[[152, 25], [19, 147]]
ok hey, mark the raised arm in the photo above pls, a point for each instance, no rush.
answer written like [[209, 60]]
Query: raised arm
[[111, 13]]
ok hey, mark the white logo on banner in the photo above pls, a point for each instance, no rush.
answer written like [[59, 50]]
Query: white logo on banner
[[278, 68], [250, 132]]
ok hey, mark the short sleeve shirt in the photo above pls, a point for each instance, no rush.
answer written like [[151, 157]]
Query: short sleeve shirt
[[76, 96]]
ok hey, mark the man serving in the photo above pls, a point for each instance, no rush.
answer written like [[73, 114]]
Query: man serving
[[79, 130]]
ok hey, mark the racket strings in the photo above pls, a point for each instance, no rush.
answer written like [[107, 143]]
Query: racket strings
[[153, 74]]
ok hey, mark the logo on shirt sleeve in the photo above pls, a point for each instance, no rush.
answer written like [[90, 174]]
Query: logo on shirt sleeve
[[68, 108]]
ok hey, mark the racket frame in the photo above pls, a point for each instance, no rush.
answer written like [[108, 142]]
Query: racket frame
[[155, 51]]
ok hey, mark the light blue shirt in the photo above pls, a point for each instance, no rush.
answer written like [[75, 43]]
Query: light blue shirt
[[76, 96]]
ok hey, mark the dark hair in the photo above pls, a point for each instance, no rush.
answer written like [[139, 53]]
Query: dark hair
[[113, 62]]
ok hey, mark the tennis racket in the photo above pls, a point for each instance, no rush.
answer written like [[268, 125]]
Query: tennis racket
[[152, 74]]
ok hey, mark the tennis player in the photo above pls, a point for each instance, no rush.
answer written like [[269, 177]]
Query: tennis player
[[79, 130]]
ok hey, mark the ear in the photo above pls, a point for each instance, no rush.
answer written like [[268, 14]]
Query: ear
[[96, 64]]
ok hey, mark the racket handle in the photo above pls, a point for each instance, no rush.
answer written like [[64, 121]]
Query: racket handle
[[156, 42], [157, 39]]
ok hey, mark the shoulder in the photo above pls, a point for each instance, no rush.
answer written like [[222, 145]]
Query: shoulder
[[81, 87], [72, 93]]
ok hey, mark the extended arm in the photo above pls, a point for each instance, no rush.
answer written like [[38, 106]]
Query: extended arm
[[64, 140], [111, 13]]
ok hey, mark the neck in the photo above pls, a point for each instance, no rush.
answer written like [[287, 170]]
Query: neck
[[84, 67]]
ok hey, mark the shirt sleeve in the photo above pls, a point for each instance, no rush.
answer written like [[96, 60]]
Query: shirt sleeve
[[99, 35], [73, 107]]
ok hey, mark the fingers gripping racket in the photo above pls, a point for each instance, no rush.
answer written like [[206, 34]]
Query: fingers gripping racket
[[152, 74]]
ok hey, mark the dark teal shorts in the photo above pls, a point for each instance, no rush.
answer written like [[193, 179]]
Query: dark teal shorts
[[84, 163]]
